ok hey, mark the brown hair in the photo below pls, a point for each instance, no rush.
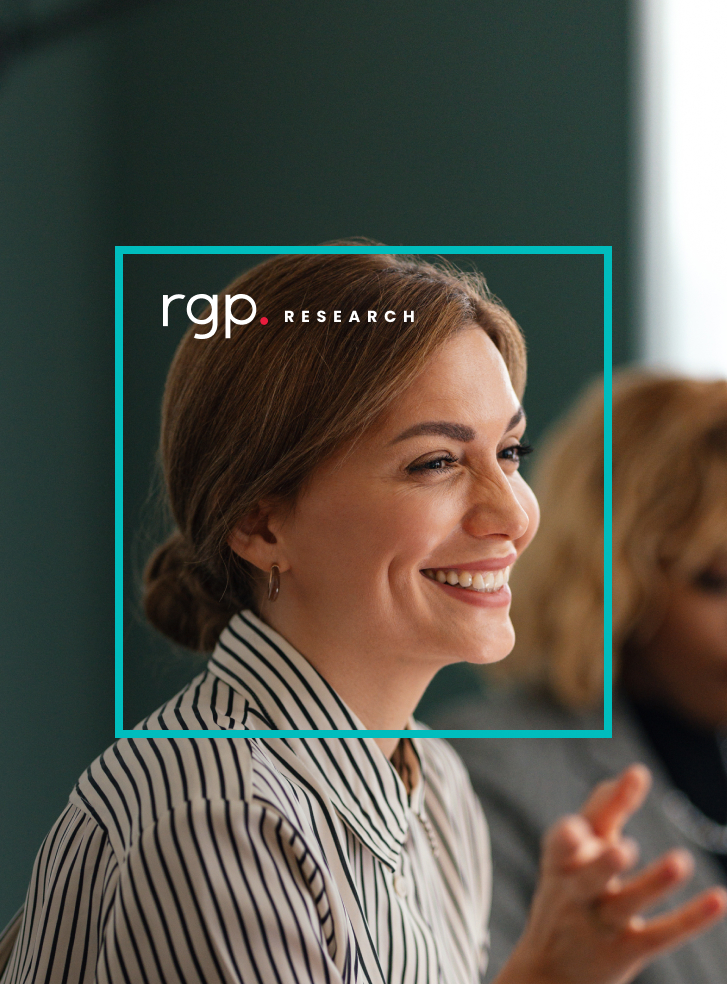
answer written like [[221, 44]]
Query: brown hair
[[247, 419], [669, 517]]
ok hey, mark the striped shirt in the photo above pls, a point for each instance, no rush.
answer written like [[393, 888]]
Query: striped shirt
[[263, 859]]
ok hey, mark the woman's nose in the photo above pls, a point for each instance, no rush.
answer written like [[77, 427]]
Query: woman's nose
[[495, 510]]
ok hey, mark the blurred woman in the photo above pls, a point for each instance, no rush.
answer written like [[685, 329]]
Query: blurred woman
[[669, 646]]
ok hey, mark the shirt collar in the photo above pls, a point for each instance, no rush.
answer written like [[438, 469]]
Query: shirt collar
[[283, 691]]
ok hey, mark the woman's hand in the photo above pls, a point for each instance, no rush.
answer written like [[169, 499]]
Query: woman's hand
[[585, 924]]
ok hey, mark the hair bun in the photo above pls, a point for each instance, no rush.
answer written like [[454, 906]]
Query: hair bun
[[180, 600]]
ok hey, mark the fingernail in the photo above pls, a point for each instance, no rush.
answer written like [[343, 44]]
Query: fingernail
[[639, 771], [716, 902], [678, 862], [713, 905]]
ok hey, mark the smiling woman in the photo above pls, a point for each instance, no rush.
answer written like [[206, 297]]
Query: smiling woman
[[264, 409], [431, 488], [348, 505]]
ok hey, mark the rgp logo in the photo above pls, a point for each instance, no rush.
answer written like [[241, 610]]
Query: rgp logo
[[230, 319]]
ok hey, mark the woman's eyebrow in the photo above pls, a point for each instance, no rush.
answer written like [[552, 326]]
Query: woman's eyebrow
[[457, 432], [515, 419]]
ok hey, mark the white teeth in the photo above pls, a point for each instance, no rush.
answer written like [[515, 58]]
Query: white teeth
[[489, 581]]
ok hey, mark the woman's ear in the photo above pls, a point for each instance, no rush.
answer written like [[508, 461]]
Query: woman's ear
[[254, 541]]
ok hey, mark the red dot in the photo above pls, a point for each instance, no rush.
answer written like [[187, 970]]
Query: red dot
[[263, 321]]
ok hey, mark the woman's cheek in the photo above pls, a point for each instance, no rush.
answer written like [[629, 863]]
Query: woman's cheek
[[526, 497]]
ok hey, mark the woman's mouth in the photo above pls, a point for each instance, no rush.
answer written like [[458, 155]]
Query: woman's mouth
[[487, 582]]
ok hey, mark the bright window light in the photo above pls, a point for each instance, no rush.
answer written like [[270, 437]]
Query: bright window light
[[682, 119]]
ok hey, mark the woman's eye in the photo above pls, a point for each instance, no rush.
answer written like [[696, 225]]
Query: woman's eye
[[443, 463], [711, 582], [516, 452]]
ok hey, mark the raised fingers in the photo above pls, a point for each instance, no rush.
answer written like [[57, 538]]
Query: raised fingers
[[569, 844], [645, 889], [612, 803], [671, 930], [571, 851]]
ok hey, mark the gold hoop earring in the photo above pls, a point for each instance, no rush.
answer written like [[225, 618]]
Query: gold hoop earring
[[274, 583]]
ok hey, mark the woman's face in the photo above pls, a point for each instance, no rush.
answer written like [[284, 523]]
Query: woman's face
[[685, 663], [431, 495]]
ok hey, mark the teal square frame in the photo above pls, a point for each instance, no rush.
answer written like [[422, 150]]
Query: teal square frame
[[605, 251]]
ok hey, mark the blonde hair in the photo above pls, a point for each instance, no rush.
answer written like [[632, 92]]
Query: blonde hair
[[669, 517], [247, 419]]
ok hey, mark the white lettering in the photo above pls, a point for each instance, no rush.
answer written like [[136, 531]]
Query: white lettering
[[230, 317], [321, 316], [336, 315], [408, 316], [304, 316], [288, 317], [166, 301], [387, 318], [354, 317], [212, 301], [372, 316]]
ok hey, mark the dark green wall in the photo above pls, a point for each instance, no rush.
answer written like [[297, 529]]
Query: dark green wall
[[414, 123], [56, 481]]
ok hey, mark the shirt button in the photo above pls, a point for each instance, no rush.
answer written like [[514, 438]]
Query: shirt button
[[401, 886]]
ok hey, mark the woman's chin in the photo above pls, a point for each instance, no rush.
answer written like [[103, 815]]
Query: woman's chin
[[490, 646]]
